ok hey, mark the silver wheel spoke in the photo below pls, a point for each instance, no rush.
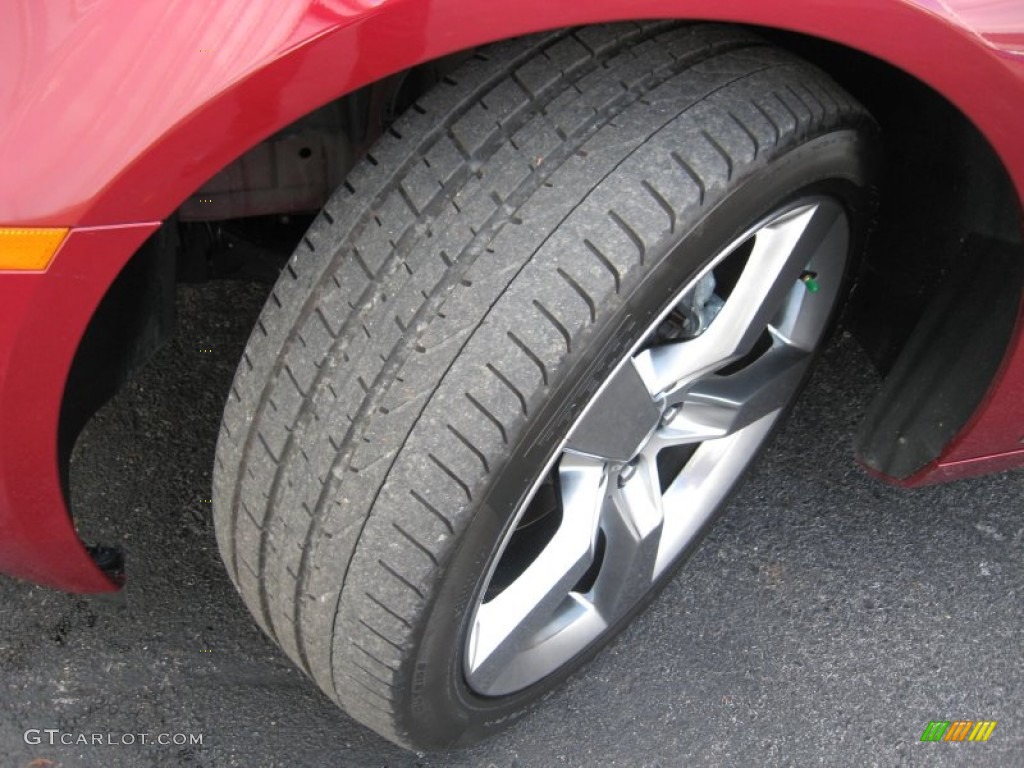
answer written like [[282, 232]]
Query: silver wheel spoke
[[504, 626], [780, 253], [632, 524], [717, 406], [697, 491]]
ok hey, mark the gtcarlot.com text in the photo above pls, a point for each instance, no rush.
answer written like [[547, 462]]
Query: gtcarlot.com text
[[55, 737]]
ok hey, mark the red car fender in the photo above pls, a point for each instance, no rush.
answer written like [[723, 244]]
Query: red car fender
[[115, 111], [43, 315]]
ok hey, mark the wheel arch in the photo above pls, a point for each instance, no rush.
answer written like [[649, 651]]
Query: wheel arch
[[368, 48], [262, 89]]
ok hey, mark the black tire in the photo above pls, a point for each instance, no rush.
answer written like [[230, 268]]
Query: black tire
[[445, 318]]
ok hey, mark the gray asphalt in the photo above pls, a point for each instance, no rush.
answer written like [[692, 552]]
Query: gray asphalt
[[825, 621]]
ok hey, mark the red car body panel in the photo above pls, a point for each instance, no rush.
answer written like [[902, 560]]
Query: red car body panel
[[113, 112], [43, 315]]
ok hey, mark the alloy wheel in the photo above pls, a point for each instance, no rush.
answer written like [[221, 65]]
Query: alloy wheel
[[659, 447]]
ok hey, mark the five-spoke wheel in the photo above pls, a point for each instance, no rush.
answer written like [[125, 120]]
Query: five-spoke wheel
[[659, 446]]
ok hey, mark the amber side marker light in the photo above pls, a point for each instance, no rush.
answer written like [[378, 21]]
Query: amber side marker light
[[29, 248]]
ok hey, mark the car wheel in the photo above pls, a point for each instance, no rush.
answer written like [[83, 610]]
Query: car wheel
[[523, 357]]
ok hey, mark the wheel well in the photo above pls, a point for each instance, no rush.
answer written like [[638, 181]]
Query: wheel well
[[938, 295], [943, 185]]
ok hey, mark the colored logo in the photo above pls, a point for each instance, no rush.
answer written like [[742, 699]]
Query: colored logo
[[958, 730]]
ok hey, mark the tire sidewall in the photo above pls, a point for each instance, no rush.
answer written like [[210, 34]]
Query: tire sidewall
[[443, 712]]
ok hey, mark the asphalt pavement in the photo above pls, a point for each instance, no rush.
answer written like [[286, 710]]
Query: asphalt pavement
[[825, 621]]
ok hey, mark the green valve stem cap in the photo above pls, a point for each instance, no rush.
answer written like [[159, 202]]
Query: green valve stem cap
[[810, 281]]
